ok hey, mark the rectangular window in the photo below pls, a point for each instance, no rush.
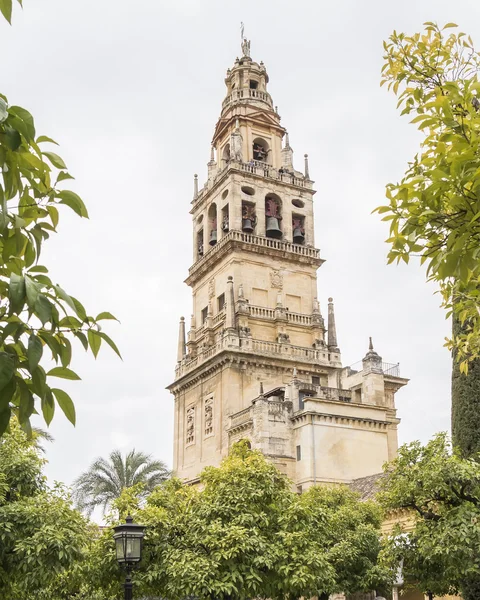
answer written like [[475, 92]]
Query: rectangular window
[[204, 314], [299, 453], [301, 403], [221, 302], [315, 379]]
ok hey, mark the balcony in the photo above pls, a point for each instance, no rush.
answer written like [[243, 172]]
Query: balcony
[[256, 168], [295, 354], [246, 94], [255, 242]]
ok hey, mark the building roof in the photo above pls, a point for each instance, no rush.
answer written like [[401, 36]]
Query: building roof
[[367, 487]]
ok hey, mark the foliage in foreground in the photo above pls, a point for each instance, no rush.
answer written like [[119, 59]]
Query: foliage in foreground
[[434, 212], [41, 535], [442, 491], [35, 313], [245, 535], [105, 480]]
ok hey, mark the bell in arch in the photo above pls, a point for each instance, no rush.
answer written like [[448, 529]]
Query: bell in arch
[[247, 225], [213, 237], [298, 232], [272, 229]]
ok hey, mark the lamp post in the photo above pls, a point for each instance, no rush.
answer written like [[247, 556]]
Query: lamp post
[[128, 545]]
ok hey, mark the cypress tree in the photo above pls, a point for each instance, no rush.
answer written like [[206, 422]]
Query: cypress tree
[[465, 405]]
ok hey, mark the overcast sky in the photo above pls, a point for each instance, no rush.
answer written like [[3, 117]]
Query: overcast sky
[[132, 91]]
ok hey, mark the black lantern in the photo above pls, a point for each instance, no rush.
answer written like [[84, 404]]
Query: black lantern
[[128, 545]]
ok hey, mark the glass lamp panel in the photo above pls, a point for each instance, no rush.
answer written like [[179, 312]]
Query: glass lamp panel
[[120, 547], [132, 553]]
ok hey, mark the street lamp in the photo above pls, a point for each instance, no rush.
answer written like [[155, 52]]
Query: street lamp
[[128, 545]]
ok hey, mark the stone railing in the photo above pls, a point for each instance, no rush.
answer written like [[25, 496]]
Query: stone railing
[[389, 369], [219, 317], [265, 348], [243, 94], [260, 312], [240, 418], [256, 240], [254, 167]]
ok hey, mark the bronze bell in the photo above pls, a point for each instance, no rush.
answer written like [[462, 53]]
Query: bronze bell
[[247, 225], [213, 237], [298, 236], [273, 230]]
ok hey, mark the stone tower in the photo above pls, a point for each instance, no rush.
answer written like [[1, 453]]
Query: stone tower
[[258, 362]]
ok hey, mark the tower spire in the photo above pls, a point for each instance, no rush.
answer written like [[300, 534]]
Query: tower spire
[[182, 349], [332, 331]]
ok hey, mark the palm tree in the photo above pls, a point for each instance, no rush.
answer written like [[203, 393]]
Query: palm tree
[[105, 479]]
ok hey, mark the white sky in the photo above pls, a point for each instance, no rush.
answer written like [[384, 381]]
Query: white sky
[[132, 91]]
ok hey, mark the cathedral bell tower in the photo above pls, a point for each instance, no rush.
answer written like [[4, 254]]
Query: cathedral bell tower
[[257, 344]]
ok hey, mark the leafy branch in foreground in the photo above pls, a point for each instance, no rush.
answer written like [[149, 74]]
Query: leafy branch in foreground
[[434, 212], [35, 313]]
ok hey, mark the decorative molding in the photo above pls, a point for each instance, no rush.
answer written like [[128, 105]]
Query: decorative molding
[[211, 288], [276, 280]]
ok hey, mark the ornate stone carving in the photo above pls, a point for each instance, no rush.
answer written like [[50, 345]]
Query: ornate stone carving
[[208, 415], [283, 338], [190, 426], [276, 280], [236, 143], [211, 288]]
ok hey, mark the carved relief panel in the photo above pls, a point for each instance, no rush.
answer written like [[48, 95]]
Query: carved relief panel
[[208, 415], [190, 426]]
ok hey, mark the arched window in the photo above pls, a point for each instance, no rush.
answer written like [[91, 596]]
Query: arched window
[[212, 224], [298, 229], [226, 153], [260, 150], [273, 216]]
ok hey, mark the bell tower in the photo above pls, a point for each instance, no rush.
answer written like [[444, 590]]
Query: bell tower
[[257, 344]]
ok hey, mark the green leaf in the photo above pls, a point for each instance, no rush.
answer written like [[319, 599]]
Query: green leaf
[[35, 351], [110, 342], [449, 25], [16, 292], [27, 119], [6, 10], [103, 316], [12, 137], [7, 368], [33, 290], [4, 415], [94, 340], [48, 406], [64, 175], [45, 138], [56, 160], [27, 403], [63, 372], [66, 404], [43, 309], [38, 269], [74, 201], [65, 297], [39, 382], [53, 212]]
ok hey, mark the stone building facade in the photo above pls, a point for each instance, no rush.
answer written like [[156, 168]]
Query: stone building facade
[[259, 362]]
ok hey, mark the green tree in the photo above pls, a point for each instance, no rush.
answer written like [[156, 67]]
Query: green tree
[[246, 534], [441, 491], [35, 313], [42, 536], [434, 211], [106, 479]]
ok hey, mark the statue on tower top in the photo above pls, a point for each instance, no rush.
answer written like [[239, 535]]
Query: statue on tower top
[[245, 42]]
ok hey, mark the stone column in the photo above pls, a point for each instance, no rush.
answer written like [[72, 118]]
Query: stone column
[[181, 349]]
